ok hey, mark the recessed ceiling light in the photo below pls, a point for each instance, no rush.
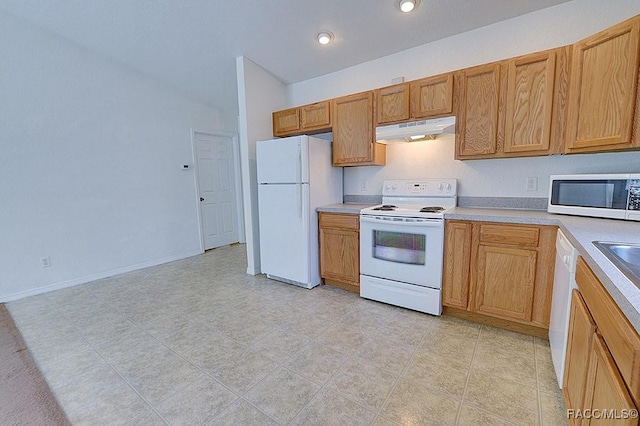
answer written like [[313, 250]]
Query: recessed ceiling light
[[408, 5], [324, 37]]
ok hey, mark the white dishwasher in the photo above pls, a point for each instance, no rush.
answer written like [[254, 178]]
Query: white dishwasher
[[564, 281]]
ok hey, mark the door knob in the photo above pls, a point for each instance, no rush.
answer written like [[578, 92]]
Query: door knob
[[201, 199]]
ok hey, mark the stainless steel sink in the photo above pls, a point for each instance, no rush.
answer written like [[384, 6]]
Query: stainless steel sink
[[625, 256]]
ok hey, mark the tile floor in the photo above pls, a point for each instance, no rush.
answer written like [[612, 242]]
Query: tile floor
[[199, 341]]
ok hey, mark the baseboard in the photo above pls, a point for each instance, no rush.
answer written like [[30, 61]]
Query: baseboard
[[254, 271], [529, 329], [94, 277]]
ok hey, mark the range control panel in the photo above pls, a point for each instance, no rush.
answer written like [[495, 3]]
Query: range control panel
[[420, 188]]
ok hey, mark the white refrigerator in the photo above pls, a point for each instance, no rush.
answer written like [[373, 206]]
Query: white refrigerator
[[295, 177]]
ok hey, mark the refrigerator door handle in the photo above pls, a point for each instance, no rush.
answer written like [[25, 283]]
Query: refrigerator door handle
[[299, 181]]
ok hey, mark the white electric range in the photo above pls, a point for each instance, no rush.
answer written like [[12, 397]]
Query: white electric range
[[402, 243]]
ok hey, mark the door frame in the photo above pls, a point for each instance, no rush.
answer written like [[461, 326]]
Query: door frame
[[237, 177]]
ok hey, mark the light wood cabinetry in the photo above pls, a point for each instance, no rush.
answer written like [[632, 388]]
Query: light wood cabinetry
[[340, 250], [393, 104], [457, 252], [354, 132], [513, 108], [603, 351], [432, 96], [307, 119], [604, 89], [581, 332], [478, 91], [499, 271]]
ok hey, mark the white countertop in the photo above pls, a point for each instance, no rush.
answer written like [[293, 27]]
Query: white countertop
[[581, 231]]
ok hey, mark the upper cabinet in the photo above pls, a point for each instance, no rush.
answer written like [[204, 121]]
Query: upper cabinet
[[513, 108], [308, 119], [354, 132], [425, 98], [432, 96], [393, 104], [572, 99], [478, 92], [603, 89]]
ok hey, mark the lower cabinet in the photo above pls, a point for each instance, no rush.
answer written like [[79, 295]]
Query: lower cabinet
[[499, 273], [601, 370], [340, 250]]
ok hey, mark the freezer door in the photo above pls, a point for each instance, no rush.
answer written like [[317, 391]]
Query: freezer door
[[284, 232], [283, 160]]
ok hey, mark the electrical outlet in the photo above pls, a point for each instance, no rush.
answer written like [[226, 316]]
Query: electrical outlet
[[45, 262], [532, 184], [364, 185]]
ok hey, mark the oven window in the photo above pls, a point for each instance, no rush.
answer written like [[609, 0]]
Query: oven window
[[399, 247]]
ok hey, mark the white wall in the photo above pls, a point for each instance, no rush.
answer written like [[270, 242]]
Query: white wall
[[548, 28], [259, 94], [90, 173]]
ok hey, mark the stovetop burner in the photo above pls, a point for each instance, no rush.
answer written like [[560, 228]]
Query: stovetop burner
[[385, 207], [431, 209]]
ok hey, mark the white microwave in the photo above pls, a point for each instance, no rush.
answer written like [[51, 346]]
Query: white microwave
[[615, 196]]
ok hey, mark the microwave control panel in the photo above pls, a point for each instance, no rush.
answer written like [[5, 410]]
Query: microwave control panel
[[634, 194]]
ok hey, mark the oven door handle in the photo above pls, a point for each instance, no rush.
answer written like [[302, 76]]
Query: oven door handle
[[416, 222]]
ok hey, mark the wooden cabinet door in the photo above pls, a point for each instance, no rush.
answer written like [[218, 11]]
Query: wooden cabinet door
[[505, 282], [339, 255], [605, 389], [581, 332], [392, 104], [603, 89], [286, 122], [477, 111], [530, 93], [432, 97], [315, 116], [353, 131], [457, 262]]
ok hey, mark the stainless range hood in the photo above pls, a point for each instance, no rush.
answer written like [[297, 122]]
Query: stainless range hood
[[415, 130]]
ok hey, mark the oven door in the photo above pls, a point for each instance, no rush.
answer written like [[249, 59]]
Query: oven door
[[408, 250]]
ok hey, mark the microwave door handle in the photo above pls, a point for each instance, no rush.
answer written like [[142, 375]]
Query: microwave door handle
[[423, 222]]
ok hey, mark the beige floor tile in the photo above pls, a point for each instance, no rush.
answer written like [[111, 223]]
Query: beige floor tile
[[100, 397], [412, 404], [317, 362], [448, 343], [553, 409], [343, 337], [282, 394], [506, 340], [472, 416], [547, 379], [502, 398], [61, 371], [196, 404], [242, 372], [506, 363], [198, 316], [279, 345], [331, 409], [388, 354], [150, 418], [444, 375], [243, 413], [363, 383]]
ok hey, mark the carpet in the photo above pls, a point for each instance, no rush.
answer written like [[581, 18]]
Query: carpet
[[25, 397]]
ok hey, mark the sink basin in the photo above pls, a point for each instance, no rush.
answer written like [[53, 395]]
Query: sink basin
[[625, 256]]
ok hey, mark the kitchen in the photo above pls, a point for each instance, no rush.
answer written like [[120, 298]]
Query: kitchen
[[482, 181], [360, 186]]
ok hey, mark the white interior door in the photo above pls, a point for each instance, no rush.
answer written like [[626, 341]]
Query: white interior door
[[218, 192]]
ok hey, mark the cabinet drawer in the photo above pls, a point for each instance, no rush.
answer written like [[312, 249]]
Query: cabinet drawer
[[509, 234], [340, 220], [620, 336]]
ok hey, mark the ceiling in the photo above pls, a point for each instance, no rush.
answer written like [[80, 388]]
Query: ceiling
[[192, 44]]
